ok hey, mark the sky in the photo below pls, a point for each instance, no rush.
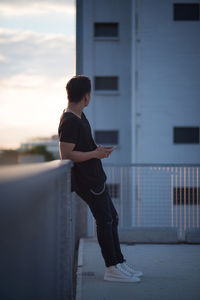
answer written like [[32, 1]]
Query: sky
[[37, 58]]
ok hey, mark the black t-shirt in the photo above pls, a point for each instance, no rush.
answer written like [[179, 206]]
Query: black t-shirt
[[87, 174]]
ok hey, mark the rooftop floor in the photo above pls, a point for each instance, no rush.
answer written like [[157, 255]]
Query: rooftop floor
[[170, 271]]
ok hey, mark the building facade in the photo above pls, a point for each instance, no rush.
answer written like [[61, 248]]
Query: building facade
[[143, 58]]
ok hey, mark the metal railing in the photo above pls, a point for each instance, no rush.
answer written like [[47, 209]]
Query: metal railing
[[154, 195], [41, 222]]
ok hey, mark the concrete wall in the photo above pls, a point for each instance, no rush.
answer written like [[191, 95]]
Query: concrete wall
[[169, 72], [157, 61], [41, 222], [111, 57]]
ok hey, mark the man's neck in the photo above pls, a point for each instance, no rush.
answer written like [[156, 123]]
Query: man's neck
[[77, 109]]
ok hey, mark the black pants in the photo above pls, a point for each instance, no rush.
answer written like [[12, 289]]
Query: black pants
[[106, 218]]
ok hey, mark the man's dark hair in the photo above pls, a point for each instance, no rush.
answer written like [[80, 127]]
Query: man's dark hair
[[77, 87]]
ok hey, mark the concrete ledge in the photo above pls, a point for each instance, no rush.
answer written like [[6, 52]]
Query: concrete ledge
[[79, 270], [148, 235], [192, 235]]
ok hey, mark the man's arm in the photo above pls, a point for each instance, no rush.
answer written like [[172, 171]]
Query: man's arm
[[66, 152]]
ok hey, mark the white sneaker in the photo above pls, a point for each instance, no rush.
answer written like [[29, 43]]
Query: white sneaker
[[130, 269], [117, 273]]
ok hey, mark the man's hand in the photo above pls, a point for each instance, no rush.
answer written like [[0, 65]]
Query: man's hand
[[102, 152]]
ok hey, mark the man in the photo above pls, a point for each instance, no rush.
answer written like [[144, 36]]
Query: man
[[89, 179]]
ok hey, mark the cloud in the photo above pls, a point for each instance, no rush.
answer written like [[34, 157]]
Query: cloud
[[23, 7], [17, 35], [35, 66], [23, 80], [31, 55], [3, 58]]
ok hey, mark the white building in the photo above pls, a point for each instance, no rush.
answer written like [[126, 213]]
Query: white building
[[144, 62], [51, 144], [143, 58]]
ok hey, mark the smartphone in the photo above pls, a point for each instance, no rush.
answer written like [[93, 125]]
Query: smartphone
[[110, 147]]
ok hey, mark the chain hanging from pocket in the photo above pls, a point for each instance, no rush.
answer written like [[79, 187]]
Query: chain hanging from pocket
[[99, 193]]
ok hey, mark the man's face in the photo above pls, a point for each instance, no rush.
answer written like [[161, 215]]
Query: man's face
[[87, 99]]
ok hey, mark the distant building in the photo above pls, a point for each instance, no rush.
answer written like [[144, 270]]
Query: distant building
[[52, 144], [30, 158]]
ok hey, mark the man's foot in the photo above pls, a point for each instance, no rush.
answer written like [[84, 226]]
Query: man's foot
[[130, 269], [117, 273]]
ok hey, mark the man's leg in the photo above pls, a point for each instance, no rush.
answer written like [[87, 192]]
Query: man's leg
[[115, 223], [101, 210]]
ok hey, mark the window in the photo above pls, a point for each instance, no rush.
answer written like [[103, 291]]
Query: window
[[106, 83], [186, 11], [106, 29], [191, 195], [106, 137], [113, 189], [186, 135]]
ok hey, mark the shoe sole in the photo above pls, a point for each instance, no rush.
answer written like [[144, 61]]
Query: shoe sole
[[137, 275], [121, 279]]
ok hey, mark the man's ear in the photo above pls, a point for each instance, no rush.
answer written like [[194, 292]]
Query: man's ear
[[84, 99]]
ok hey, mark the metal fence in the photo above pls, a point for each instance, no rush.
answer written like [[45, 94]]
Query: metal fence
[[156, 195]]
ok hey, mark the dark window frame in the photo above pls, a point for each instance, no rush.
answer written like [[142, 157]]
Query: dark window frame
[[101, 26], [178, 135], [97, 83], [177, 191], [185, 15], [108, 140], [114, 189]]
